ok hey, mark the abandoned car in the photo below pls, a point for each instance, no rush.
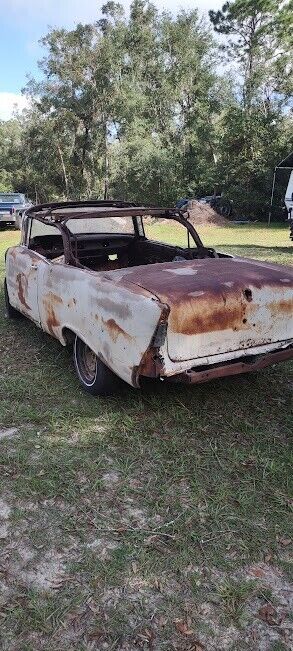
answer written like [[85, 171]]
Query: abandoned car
[[133, 307]]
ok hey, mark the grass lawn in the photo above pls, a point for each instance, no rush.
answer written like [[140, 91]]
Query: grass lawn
[[157, 520]]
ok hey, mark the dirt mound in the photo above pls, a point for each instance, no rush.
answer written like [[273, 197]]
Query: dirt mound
[[201, 214]]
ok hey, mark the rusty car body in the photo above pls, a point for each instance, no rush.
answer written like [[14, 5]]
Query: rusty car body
[[135, 307]]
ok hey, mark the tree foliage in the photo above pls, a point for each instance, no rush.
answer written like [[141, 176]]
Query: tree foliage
[[139, 108]]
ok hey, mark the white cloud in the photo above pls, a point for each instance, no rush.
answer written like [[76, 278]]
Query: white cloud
[[11, 102], [33, 17]]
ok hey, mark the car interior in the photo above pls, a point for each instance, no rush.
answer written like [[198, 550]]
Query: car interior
[[108, 251]]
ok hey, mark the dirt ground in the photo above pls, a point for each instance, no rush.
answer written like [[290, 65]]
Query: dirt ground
[[54, 596], [201, 214]]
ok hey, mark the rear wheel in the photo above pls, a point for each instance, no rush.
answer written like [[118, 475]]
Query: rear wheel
[[95, 377], [11, 312]]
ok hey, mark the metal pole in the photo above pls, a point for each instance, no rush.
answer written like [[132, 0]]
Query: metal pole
[[272, 197]]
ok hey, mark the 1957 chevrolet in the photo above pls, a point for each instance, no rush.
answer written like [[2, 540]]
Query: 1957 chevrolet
[[86, 273]]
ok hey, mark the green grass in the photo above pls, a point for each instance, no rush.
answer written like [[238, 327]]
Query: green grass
[[152, 501], [234, 594]]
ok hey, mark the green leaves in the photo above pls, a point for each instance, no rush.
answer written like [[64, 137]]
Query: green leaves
[[139, 108]]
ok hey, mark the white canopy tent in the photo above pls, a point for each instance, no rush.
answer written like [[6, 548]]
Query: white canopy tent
[[286, 164]]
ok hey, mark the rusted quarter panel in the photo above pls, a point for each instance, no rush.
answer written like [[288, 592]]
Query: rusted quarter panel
[[117, 323]]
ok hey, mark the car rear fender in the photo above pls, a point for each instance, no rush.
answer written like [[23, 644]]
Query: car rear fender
[[117, 322]]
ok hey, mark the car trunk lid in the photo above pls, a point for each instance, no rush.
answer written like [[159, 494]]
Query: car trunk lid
[[220, 305]]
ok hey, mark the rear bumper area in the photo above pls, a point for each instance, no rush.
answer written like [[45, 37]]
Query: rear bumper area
[[238, 366], [6, 218]]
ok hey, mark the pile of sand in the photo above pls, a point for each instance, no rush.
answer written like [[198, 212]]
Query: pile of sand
[[201, 214]]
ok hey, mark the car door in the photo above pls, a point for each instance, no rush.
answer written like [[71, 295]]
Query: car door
[[23, 270]]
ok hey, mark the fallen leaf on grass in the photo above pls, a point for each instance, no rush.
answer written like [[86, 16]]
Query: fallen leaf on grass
[[121, 530], [248, 462], [95, 635], [285, 635], [158, 585], [269, 615], [268, 558], [182, 627], [145, 636], [254, 635], [285, 541], [159, 543], [257, 571]]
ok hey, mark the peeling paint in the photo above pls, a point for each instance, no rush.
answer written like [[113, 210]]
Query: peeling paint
[[22, 286], [115, 330]]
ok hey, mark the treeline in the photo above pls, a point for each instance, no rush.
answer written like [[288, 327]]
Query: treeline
[[152, 107]]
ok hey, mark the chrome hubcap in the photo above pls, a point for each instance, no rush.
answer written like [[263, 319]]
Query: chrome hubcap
[[89, 363]]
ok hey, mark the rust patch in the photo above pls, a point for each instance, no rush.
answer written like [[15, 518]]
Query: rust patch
[[151, 365], [209, 313], [284, 306], [152, 362], [55, 298], [21, 281], [208, 275], [147, 365], [237, 367], [115, 330], [51, 320]]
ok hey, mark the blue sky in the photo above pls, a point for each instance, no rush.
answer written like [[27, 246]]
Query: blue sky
[[23, 22]]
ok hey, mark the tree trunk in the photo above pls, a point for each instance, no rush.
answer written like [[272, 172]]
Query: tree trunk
[[106, 163], [65, 178]]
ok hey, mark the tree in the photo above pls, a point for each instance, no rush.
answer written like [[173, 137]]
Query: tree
[[10, 138], [251, 131], [137, 108]]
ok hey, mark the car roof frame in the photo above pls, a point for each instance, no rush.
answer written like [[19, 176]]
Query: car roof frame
[[52, 214]]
